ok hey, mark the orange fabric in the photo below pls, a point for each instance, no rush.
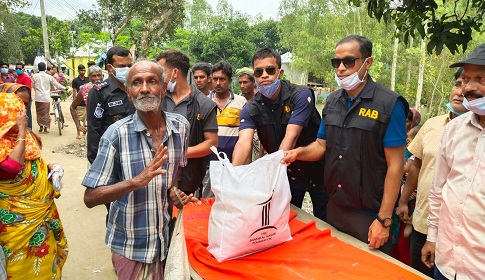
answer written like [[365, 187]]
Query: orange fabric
[[312, 254], [10, 106]]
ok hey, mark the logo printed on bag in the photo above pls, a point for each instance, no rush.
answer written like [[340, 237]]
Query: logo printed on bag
[[265, 224]]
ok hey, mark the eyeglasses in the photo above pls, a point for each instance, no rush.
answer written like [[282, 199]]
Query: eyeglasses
[[348, 62], [18, 68], [258, 72]]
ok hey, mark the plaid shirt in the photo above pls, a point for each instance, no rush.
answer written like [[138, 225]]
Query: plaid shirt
[[138, 222]]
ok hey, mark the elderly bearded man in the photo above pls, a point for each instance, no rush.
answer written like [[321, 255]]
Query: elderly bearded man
[[138, 159]]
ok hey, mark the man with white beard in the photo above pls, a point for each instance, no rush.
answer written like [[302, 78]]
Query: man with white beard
[[134, 169]]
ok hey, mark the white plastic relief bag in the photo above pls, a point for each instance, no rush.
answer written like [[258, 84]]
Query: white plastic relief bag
[[252, 206]]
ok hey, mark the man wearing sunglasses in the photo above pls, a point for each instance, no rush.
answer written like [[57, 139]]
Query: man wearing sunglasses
[[285, 117], [362, 135]]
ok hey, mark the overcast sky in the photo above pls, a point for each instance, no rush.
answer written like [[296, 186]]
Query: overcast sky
[[66, 9]]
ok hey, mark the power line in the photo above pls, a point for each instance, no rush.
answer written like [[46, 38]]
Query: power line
[[33, 7], [69, 5], [59, 5]]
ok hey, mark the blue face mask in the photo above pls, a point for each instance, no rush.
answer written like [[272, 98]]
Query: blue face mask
[[18, 71], [269, 90], [4, 71], [120, 74], [477, 106], [448, 105]]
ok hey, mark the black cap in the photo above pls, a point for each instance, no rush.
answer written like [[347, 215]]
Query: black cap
[[81, 67], [477, 57]]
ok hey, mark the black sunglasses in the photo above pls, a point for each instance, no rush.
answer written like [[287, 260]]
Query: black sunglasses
[[348, 62], [18, 68], [258, 72]]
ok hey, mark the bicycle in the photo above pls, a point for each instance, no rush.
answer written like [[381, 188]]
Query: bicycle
[[56, 106]]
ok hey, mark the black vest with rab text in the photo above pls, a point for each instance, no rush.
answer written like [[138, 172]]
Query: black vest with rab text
[[271, 120], [355, 163]]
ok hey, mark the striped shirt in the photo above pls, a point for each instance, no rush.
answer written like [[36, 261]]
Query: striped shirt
[[138, 222], [228, 123]]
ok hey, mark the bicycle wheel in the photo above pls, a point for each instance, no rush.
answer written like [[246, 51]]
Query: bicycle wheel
[[58, 119], [61, 116]]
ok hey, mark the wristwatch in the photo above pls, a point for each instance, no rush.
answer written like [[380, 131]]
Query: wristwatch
[[386, 222]]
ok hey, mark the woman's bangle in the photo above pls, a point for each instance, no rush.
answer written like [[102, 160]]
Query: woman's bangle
[[20, 139]]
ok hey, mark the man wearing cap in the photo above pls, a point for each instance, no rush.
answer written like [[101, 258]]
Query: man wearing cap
[[80, 80], [455, 243], [246, 82]]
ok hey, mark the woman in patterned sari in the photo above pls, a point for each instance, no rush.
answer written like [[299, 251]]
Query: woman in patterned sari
[[31, 234]]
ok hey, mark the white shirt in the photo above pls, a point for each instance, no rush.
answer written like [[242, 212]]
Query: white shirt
[[41, 83], [456, 220]]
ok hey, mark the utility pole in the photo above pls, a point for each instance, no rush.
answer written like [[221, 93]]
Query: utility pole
[[44, 29], [72, 50]]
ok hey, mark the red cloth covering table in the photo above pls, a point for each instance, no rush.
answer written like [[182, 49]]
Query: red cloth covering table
[[312, 254]]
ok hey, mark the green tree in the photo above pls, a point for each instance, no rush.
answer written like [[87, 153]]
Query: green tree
[[160, 19], [266, 34], [11, 49], [449, 23], [198, 14]]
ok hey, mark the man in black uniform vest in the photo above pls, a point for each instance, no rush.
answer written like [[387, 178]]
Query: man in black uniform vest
[[285, 117], [108, 101], [362, 135]]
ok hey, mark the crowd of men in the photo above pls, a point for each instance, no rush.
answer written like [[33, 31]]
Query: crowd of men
[[149, 133]]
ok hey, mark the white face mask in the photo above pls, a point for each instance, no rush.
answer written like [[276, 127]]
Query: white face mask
[[171, 85], [351, 82], [120, 74], [477, 106]]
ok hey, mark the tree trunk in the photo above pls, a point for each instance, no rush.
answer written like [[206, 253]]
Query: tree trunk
[[158, 23], [118, 29], [422, 61], [438, 80], [359, 23], [394, 62], [408, 74]]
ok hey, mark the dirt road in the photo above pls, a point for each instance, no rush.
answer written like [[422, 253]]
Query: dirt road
[[89, 258]]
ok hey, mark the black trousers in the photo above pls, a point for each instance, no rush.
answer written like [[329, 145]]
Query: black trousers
[[417, 242], [354, 223]]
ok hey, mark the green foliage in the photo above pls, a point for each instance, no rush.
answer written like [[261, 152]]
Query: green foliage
[[10, 39], [224, 34], [449, 23]]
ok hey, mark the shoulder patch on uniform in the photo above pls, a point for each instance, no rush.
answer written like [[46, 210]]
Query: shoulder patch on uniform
[[98, 112], [101, 85]]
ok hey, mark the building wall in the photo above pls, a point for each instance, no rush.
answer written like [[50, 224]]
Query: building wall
[[72, 64]]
